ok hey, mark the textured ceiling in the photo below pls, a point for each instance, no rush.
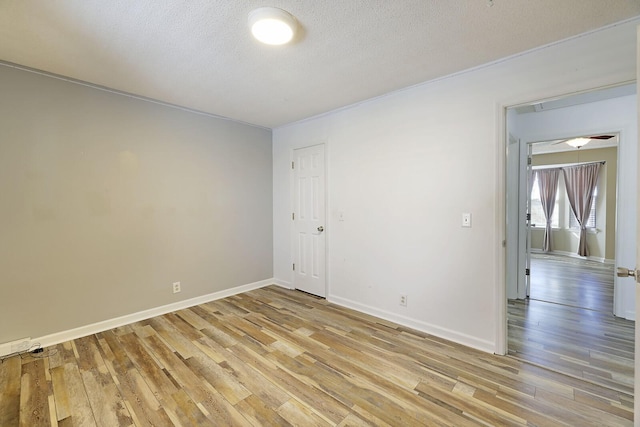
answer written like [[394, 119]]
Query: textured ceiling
[[199, 53]]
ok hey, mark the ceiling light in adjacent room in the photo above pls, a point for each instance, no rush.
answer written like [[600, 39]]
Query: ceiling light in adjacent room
[[578, 142], [271, 25]]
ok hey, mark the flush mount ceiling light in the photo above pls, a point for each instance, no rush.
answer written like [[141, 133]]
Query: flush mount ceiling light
[[271, 25], [578, 142]]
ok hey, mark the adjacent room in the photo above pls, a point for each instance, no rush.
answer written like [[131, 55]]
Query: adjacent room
[[201, 226], [568, 310]]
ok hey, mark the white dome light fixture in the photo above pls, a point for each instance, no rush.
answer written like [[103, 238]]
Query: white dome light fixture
[[578, 142], [271, 25]]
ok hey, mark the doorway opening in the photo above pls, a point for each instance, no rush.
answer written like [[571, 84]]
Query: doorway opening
[[569, 314], [558, 273]]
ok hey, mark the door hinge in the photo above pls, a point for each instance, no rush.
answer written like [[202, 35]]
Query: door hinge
[[528, 217], [294, 267], [293, 216], [527, 272], [292, 165], [528, 160]]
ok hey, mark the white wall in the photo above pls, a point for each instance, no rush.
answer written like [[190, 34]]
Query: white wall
[[612, 115], [404, 167], [106, 200]]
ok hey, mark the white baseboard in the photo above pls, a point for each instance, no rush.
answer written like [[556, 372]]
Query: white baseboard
[[283, 284], [71, 334], [419, 325], [94, 328], [6, 348], [574, 255]]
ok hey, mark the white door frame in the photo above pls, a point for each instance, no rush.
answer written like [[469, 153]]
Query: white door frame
[[501, 207], [525, 229], [327, 227]]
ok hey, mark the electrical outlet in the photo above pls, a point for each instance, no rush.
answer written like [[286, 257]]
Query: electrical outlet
[[176, 287], [466, 219], [21, 345], [403, 300]]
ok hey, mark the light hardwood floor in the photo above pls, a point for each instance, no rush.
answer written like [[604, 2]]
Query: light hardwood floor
[[277, 357], [572, 281], [568, 323]]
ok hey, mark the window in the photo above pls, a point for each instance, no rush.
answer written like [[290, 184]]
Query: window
[[563, 216], [537, 213]]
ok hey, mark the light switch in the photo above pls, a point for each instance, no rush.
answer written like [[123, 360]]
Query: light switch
[[466, 220]]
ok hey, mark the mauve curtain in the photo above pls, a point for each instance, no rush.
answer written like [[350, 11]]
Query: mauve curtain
[[548, 186], [580, 182]]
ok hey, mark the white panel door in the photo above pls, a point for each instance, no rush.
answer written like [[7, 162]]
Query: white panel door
[[637, 266], [309, 220], [527, 256], [523, 225]]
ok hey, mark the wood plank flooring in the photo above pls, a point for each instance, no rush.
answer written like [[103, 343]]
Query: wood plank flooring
[[277, 357], [576, 333], [572, 281]]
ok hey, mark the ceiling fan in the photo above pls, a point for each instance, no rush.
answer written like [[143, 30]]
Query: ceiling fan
[[582, 141]]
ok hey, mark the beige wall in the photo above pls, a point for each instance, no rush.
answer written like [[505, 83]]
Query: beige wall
[[602, 244], [105, 200]]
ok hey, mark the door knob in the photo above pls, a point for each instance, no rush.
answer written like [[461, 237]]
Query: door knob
[[626, 272], [321, 229]]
